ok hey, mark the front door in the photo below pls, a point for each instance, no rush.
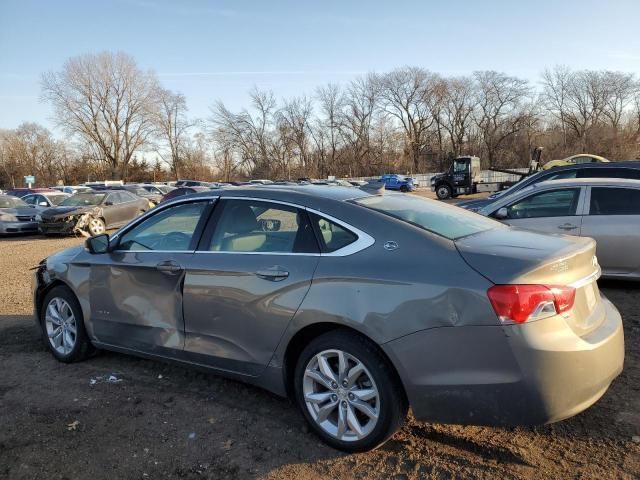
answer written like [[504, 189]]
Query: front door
[[136, 289], [550, 211], [253, 269]]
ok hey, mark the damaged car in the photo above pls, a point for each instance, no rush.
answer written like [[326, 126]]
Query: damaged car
[[92, 213]]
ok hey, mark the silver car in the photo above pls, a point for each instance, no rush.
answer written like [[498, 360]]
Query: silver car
[[16, 216], [606, 209], [355, 304]]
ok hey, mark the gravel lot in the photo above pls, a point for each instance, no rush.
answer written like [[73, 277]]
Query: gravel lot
[[165, 421]]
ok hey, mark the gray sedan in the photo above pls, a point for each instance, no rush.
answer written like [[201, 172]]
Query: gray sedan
[[16, 216], [355, 304], [605, 209]]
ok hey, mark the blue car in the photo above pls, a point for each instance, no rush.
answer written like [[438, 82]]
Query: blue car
[[397, 182]]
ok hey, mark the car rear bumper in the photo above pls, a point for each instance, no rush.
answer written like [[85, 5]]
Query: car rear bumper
[[18, 227], [527, 374]]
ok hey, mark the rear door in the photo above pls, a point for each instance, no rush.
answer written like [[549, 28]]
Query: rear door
[[613, 220], [253, 268], [549, 211]]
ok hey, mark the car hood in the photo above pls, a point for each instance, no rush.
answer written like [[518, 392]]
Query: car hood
[[62, 212], [521, 256], [19, 211]]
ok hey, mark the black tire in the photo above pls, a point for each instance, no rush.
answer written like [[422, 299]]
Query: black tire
[[404, 189], [82, 348], [443, 191], [392, 408]]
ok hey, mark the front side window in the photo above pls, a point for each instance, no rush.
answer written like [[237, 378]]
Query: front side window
[[252, 226], [614, 201], [170, 229], [555, 203]]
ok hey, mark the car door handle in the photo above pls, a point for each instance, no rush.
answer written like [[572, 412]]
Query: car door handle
[[274, 274], [567, 226], [170, 268]]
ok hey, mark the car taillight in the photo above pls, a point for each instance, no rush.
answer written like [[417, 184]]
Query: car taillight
[[519, 303]]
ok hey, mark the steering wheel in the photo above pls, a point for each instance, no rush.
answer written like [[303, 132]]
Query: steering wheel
[[174, 241]]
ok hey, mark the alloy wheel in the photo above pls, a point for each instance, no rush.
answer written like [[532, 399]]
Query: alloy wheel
[[341, 395], [96, 226], [61, 325]]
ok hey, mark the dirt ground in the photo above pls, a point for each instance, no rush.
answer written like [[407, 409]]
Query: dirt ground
[[154, 420]]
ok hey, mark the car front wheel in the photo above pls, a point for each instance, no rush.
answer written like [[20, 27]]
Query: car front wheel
[[63, 326], [96, 226], [348, 392]]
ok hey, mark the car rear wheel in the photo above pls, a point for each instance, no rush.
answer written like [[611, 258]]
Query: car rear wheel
[[348, 392], [63, 326], [96, 226], [443, 191]]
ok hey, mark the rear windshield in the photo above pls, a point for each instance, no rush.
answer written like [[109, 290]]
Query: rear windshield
[[445, 220]]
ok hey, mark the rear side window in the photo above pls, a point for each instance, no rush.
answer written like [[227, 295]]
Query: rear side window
[[445, 220], [253, 226], [614, 201], [331, 235]]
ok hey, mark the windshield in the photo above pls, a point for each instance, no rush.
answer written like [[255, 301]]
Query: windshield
[[57, 199], [83, 199], [7, 201], [445, 220]]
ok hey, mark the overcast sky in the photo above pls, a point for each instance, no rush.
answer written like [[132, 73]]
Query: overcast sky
[[212, 50]]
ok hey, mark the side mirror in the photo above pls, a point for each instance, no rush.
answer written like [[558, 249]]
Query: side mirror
[[98, 244], [43, 204], [108, 203], [502, 213]]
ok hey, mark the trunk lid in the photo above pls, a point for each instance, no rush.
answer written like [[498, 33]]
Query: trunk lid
[[516, 256]]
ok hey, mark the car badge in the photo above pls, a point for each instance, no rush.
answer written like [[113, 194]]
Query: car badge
[[390, 245]]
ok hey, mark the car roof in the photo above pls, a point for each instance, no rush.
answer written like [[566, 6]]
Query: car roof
[[292, 193], [577, 182], [580, 166]]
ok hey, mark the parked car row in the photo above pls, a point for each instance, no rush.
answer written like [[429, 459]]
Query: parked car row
[[58, 213]]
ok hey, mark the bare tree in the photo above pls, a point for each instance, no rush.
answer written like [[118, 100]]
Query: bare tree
[[356, 118], [331, 103], [294, 120], [407, 95], [457, 112], [249, 134], [499, 114], [106, 100], [173, 127]]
